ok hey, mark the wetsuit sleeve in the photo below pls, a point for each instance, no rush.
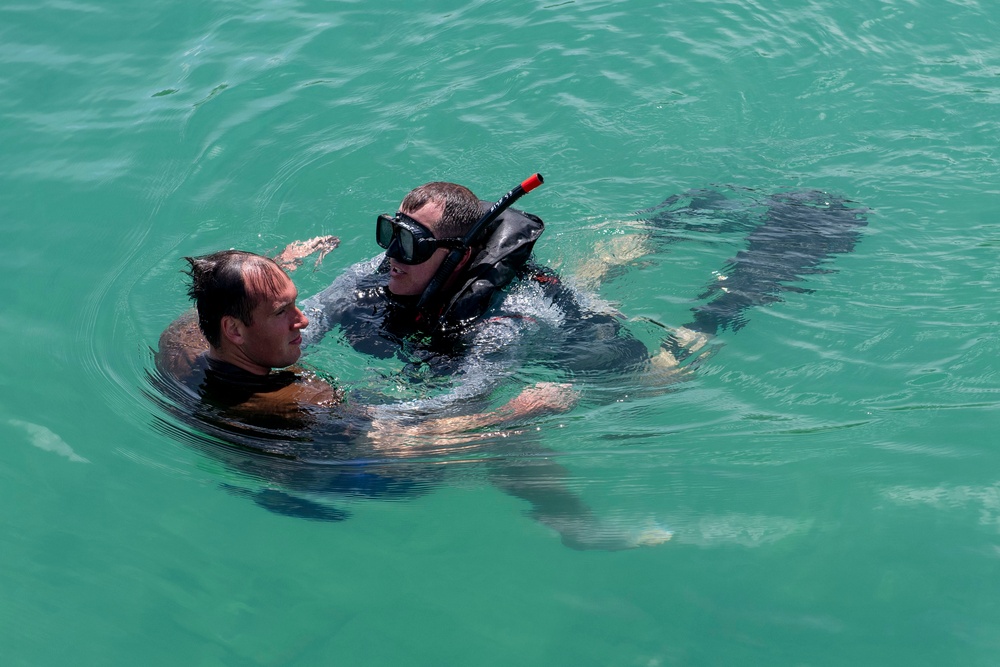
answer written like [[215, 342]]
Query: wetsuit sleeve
[[326, 309]]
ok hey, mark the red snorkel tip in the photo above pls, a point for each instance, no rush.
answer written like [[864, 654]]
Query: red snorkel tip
[[532, 182]]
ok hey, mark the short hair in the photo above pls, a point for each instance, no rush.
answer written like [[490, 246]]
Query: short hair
[[230, 282], [461, 206]]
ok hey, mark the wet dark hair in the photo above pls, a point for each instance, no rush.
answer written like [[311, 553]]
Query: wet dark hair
[[230, 282], [461, 206]]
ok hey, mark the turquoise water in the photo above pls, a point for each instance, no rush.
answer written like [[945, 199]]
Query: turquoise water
[[830, 474]]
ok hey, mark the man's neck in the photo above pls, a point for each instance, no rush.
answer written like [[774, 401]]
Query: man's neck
[[238, 359]]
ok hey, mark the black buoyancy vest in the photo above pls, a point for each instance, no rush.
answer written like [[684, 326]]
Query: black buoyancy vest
[[492, 267], [377, 323]]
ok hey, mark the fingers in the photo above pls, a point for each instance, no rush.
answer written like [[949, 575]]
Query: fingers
[[291, 257], [546, 397]]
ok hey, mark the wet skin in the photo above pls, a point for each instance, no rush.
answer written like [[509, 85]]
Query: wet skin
[[272, 340], [412, 279]]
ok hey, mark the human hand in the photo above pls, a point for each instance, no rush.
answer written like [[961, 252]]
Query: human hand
[[544, 398], [291, 257]]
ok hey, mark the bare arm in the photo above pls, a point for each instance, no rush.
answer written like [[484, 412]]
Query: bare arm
[[541, 399]]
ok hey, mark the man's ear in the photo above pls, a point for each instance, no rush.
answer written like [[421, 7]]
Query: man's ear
[[465, 260], [232, 329]]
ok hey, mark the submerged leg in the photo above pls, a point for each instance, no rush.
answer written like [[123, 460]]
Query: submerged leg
[[541, 482], [698, 211], [703, 211], [285, 504], [800, 231]]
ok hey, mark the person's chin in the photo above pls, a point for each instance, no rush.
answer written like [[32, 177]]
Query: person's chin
[[293, 355], [399, 288]]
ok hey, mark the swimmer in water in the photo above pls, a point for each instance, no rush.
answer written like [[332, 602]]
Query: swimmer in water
[[248, 325], [470, 328], [500, 311]]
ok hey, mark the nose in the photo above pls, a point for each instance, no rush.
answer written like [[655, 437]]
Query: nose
[[395, 249], [302, 321]]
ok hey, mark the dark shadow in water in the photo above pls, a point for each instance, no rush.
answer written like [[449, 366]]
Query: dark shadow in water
[[311, 455]]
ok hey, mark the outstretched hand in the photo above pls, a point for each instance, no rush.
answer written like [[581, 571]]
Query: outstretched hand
[[291, 257]]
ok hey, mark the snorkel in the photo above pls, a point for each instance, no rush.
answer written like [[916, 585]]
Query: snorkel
[[455, 256]]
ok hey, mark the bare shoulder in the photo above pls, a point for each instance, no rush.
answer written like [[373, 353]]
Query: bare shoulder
[[180, 345]]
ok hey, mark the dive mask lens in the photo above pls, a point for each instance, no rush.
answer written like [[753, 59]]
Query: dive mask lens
[[407, 241], [384, 231], [408, 244], [404, 239]]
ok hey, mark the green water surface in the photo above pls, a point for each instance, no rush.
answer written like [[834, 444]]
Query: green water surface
[[831, 475]]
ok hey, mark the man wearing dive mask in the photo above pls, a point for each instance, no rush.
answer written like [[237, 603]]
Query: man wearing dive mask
[[430, 221], [407, 241], [377, 304], [499, 312]]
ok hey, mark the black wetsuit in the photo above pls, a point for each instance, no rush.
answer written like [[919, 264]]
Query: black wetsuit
[[222, 390], [790, 235], [226, 386], [536, 316]]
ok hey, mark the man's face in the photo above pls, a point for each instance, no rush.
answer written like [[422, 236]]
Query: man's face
[[274, 339], [412, 279]]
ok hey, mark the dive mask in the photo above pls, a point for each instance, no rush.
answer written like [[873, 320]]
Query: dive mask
[[407, 241]]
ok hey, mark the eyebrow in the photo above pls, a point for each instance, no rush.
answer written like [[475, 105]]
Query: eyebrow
[[284, 304]]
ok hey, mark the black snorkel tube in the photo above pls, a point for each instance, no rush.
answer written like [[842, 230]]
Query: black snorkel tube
[[454, 257]]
